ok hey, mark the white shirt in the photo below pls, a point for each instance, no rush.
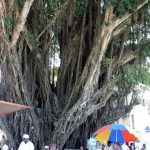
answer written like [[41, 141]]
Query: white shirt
[[26, 146], [124, 147], [5, 147]]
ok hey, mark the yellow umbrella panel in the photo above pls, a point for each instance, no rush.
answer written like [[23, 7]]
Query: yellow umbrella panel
[[103, 137]]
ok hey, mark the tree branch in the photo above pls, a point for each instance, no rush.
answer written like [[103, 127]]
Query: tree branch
[[120, 29], [19, 27], [56, 17], [2, 15], [119, 21], [80, 111], [128, 58]]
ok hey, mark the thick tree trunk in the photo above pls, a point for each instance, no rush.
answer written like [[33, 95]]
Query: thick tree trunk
[[79, 113]]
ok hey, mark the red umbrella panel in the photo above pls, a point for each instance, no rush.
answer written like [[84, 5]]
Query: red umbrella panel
[[8, 107], [128, 136], [102, 129]]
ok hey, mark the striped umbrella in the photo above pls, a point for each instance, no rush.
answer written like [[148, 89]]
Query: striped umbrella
[[115, 133]]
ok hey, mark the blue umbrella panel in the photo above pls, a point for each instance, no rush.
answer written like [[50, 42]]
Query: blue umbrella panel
[[116, 136]]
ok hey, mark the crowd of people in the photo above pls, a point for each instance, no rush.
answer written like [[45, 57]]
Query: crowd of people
[[124, 146], [26, 144]]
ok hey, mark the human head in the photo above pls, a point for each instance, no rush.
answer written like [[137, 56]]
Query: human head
[[52, 146], [3, 137], [127, 144], [81, 148], [25, 138], [131, 144], [109, 143]]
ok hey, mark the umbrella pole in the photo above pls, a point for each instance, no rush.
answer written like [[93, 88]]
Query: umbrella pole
[[116, 136]]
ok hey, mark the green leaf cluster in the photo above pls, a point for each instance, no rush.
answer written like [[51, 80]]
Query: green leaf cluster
[[123, 6], [80, 7], [134, 75], [32, 38], [108, 120], [136, 97], [145, 50], [20, 4], [52, 6], [9, 22]]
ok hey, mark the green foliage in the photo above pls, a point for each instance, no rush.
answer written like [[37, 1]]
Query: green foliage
[[122, 6], [32, 38], [55, 70], [129, 75], [53, 6], [145, 52], [108, 120], [20, 4], [143, 74], [117, 41], [8, 22], [81, 6], [136, 97], [106, 61], [46, 9], [134, 75]]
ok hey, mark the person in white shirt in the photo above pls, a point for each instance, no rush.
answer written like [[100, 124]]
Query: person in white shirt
[[5, 146], [124, 147], [26, 144]]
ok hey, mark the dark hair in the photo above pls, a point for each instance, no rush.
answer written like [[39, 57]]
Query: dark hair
[[109, 143]]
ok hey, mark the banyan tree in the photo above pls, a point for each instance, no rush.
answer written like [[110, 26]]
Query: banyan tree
[[102, 46]]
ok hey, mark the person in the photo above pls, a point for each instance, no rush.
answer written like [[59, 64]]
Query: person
[[5, 146], [115, 146], [4, 138], [132, 146], [109, 145], [104, 146], [10, 146], [52, 146], [124, 147], [144, 147], [128, 145], [26, 144], [3, 141], [81, 147], [99, 147]]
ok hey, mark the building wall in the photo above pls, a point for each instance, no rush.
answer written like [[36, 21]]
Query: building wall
[[139, 119]]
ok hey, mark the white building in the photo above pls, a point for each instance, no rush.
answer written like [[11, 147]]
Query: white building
[[139, 120]]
